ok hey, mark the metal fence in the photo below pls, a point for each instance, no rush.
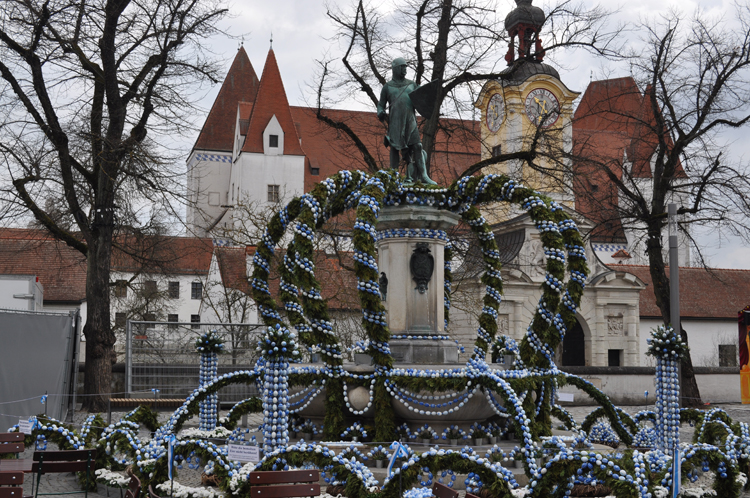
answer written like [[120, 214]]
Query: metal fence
[[162, 355]]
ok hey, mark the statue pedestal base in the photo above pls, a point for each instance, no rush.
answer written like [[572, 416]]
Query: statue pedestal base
[[423, 351]]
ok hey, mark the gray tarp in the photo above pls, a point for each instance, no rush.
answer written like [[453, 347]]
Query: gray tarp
[[36, 356]]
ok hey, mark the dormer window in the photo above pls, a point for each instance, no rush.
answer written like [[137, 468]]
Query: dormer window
[[273, 138]]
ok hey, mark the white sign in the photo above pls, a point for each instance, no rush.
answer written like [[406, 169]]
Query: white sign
[[242, 453], [565, 397], [25, 426]]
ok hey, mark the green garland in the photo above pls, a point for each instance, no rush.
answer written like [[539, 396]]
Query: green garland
[[620, 421], [210, 342], [666, 342], [348, 189], [145, 415], [249, 405]]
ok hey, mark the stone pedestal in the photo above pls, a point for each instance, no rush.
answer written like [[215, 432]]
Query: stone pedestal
[[414, 310], [424, 351]]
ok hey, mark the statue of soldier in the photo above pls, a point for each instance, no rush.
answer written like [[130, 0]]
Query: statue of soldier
[[403, 134]]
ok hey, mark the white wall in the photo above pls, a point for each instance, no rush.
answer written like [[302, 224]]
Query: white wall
[[630, 389], [208, 185], [222, 305], [184, 306], [704, 337], [252, 173]]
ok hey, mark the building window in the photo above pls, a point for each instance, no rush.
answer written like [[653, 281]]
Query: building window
[[149, 317], [196, 319], [121, 288], [173, 318], [196, 290], [120, 319], [273, 193], [727, 355], [174, 290], [273, 140], [614, 357], [315, 171], [149, 288], [497, 150]]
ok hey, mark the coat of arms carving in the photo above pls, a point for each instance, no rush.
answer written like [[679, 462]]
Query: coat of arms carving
[[422, 265]]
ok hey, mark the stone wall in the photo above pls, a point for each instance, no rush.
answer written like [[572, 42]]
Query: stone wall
[[627, 385]]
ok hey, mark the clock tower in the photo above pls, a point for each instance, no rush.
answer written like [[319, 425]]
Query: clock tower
[[528, 106]]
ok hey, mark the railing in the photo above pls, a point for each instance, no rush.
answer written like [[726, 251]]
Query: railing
[[162, 356]]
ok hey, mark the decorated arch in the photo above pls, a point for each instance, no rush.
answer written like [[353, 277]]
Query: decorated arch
[[307, 313]]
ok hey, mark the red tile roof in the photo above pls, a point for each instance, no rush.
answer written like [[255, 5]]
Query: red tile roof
[[271, 100], [596, 197], [334, 272], [163, 254], [61, 269], [609, 105], [614, 122], [704, 294], [331, 151], [233, 267], [240, 85]]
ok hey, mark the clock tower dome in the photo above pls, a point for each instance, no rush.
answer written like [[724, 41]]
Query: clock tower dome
[[527, 105]]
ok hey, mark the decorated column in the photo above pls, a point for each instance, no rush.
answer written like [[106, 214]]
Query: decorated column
[[667, 347], [278, 345], [209, 345], [411, 244]]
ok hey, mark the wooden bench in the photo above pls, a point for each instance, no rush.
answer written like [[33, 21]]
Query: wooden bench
[[11, 485], [443, 491], [134, 486], [152, 493], [55, 462], [11, 442], [153, 403], [284, 483]]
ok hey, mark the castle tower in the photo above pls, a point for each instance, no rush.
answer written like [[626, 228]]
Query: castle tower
[[210, 162], [528, 106]]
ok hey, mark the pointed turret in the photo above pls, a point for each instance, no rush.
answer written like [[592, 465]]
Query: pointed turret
[[271, 101], [240, 85]]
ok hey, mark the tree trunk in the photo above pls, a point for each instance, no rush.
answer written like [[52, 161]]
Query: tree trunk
[[657, 268], [100, 340], [440, 60], [691, 396]]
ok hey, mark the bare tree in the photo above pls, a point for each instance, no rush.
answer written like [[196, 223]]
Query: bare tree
[[84, 84], [652, 140], [454, 43]]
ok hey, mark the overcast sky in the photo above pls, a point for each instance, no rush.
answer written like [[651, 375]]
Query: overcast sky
[[301, 30]]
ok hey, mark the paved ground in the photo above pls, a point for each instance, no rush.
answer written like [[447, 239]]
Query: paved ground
[[55, 483]]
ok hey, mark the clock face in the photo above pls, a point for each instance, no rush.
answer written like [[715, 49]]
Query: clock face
[[495, 112], [542, 107]]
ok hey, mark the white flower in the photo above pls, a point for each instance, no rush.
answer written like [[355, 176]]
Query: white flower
[[112, 479], [181, 491]]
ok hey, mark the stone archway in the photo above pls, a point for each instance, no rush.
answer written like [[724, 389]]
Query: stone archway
[[574, 347]]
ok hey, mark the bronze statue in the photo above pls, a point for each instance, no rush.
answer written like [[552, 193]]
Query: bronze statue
[[383, 283], [403, 134]]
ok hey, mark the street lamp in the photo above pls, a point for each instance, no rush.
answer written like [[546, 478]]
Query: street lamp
[[674, 280]]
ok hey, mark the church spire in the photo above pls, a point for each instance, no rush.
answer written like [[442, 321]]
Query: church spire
[[525, 22]]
